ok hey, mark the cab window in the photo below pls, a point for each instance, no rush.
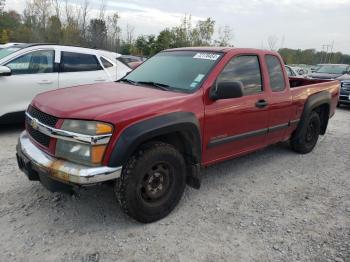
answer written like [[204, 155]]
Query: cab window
[[246, 69], [275, 73]]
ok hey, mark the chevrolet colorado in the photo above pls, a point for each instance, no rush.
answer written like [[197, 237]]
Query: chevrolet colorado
[[152, 131]]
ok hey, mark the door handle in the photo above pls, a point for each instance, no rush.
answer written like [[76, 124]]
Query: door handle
[[261, 103], [100, 80], [45, 82]]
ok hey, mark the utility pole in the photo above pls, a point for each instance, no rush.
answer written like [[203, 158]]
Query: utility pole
[[322, 55], [331, 54], [325, 49]]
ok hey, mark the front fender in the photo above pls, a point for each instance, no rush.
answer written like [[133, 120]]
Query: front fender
[[136, 134]]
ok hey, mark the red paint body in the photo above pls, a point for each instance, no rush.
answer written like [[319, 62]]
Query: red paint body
[[124, 105]]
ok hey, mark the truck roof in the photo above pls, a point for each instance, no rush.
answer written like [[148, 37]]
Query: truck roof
[[216, 49]]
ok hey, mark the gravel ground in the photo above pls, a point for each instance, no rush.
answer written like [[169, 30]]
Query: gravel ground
[[272, 205]]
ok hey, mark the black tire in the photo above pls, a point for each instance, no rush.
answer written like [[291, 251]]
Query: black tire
[[304, 140], [152, 182]]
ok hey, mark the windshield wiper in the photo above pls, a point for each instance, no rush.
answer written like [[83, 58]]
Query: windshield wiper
[[155, 84], [128, 81]]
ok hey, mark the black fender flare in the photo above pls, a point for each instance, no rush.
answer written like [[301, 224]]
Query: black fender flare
[[314, 101], [140, 132]]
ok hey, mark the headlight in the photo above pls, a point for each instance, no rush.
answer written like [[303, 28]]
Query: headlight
[[83, 153], [87, 127]]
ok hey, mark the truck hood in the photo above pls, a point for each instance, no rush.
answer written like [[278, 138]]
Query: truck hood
[[104, 101]]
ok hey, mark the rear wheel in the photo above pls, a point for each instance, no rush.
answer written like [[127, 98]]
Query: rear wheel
[[306, 139], [152, 182]]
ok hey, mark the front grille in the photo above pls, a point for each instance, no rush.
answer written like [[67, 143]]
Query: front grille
[[39, 137], [44, 118]]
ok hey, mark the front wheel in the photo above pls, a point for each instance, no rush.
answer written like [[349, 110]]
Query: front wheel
[[306, 139], [152, 182]]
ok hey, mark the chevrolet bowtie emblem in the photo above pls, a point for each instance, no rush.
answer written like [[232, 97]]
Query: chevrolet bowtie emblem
[[34, 123]]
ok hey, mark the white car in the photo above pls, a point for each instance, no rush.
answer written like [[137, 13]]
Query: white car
[[9, 45], [29, 69], [292, 72]]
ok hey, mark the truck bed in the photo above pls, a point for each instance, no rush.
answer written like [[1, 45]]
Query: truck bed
[[296, 82], [301, 89]]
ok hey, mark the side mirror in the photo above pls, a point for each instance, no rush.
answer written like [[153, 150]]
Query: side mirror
[[227, 90], [5, 71]]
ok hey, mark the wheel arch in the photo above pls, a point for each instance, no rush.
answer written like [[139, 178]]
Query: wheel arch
[[170, 128], [321, 103]]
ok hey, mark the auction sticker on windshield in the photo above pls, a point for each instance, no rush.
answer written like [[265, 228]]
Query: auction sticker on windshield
[[207, 56]]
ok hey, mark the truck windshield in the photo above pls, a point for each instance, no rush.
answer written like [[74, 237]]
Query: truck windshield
[[182, 71], [333, 69], [8, 51]]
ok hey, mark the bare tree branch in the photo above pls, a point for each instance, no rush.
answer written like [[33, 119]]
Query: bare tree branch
[[272, 42]]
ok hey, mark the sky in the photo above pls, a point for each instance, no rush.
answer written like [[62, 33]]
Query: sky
[[296, 24]]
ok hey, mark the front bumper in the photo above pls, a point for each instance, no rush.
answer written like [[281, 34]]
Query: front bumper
[[344, 97], [36, 163]]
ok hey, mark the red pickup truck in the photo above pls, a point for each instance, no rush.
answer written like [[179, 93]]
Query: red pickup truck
[[183, 109]]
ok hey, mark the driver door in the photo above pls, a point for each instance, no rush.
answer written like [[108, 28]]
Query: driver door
[[31, 74], [238, 125]]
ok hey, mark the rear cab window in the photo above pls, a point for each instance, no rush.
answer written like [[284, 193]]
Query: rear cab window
[[246, 69], [78, 62], [276, 75]]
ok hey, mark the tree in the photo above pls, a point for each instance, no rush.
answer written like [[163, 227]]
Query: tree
[[272, 42], [164, 40], [114, 30], [205, 31], [311, 56], [141, 45], [54, 30], [145, 46], [129, 34], [36, 15], [57, 7], [102, 10], [71, 33], [97, 33], [42, 10], [84, 14], [225, 36], [4, 38], [183, 34], [9, 24], [2, 5]]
